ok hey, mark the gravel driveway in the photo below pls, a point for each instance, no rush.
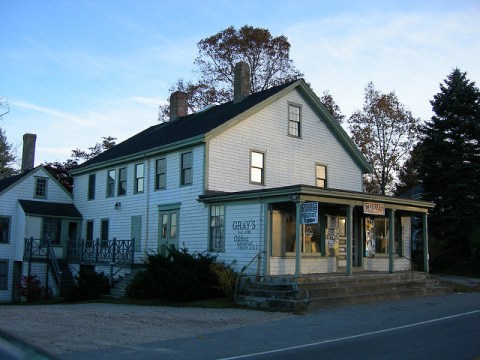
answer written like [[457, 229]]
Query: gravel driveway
[[63, 329]]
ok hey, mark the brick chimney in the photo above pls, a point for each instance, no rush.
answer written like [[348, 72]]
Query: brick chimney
[[28, 155], [178, 105], [241, 82]]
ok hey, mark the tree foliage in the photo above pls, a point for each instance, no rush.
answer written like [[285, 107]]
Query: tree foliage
[[268, 57], [61, 171], [7, 156], [385, 131], [332, 106], [450, 164], [409, 174]]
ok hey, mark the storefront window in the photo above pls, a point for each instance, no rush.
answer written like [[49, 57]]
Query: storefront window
[[377, 236]]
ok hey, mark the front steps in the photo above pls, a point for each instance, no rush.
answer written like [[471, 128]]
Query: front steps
[[336, 290], [316, 291]]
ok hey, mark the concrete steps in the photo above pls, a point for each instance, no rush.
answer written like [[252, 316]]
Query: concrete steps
[[360, 288], [119, 287], [326, 290]]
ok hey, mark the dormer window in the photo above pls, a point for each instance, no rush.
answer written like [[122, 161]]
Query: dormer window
[[294, 120]]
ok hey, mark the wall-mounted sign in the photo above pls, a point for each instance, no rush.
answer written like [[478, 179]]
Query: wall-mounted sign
[[244, 235], [373, 208], [309, 212]]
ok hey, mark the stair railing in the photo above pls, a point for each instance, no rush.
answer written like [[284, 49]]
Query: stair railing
[[127, 252], [242, 272]]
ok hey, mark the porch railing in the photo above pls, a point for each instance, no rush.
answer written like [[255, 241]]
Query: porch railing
[[42, 249], [101, 251]]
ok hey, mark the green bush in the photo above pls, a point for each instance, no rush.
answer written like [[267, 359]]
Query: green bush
[[177, 276], [90, 285]]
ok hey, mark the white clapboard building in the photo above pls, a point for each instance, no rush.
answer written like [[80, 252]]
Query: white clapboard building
[[269, 181]]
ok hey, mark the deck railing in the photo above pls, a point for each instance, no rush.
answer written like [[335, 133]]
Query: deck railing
[[101, 251]]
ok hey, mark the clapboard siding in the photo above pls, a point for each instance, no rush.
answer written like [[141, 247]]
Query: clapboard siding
[[289, 160], [23, 189], [193, 215]]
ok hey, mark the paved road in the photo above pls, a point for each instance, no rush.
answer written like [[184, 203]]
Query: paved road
[[361, 331]]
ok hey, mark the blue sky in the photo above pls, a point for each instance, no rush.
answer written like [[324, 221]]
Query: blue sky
[[74, 71]]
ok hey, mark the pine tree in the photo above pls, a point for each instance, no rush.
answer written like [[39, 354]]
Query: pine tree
[[450, 165]]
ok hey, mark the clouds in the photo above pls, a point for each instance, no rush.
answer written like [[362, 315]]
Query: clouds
[[409, 52], [77, 71]]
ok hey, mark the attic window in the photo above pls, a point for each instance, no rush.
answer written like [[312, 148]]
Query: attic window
[[294, 120], [40, 187]]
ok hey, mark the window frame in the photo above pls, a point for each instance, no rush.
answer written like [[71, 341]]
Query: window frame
[[111, 183], [89, 232], [186, 176], [139, 182], [216, 232], [43, 194], [4, 277], [252, 167], [159, 174], [122, 184], [317, 177], [294, 125], [8, 229], [104, 229], [91, 186]]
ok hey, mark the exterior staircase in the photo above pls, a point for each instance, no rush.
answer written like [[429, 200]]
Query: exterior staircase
[[119, 287], [317, 291], [67, 283]]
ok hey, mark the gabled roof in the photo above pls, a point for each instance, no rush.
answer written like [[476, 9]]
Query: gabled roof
[[43, 208], [7, 182], [194, 128]]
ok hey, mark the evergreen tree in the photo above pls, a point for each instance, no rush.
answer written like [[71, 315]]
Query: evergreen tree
[[450, 166], [7, 158]]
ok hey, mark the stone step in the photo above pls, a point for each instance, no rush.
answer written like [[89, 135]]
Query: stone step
[[325, 302], [262, 303]]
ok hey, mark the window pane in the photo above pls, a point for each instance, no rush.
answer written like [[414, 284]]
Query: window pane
[[173, 225], [257, 159], [164, 225], [3, 275], [256, 175], [217, 229], [89, 230], [4, 230], [41, 187], [122, 181], [104, 230], [111, 183]]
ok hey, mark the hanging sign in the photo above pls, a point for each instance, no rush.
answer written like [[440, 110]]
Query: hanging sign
[[310, 213], [373, 208]]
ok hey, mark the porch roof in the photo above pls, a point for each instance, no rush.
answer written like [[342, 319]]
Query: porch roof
[[51, 209], [323, 195]]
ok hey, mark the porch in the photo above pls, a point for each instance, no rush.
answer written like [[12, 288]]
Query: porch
[[113, 254]]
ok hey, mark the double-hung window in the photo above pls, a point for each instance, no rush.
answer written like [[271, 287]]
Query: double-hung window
[[186, 176], [111, 179], [320, 175], [122, 181], [161, 174], [217, 228], [4, 230], [91, 187], [139, 178], [40, 187], [3, 274], [257, 167], [294, 120]]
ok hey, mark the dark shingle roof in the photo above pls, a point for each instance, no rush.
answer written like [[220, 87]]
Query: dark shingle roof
[[5, 183], [44, 208], [183, 128]]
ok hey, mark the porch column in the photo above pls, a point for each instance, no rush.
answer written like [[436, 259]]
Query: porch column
[[391, 236], [425, 243], [349, 238], [298, 239], [322, 226]]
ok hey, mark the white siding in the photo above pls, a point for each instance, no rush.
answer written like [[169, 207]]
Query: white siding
[[193, 222], [10, 207], [289, 160]]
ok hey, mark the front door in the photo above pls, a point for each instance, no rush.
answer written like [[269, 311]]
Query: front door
[[168, 230]]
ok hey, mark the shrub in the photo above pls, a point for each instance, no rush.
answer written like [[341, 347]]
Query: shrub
[[177, 276], [89, 285], [31, 288]]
